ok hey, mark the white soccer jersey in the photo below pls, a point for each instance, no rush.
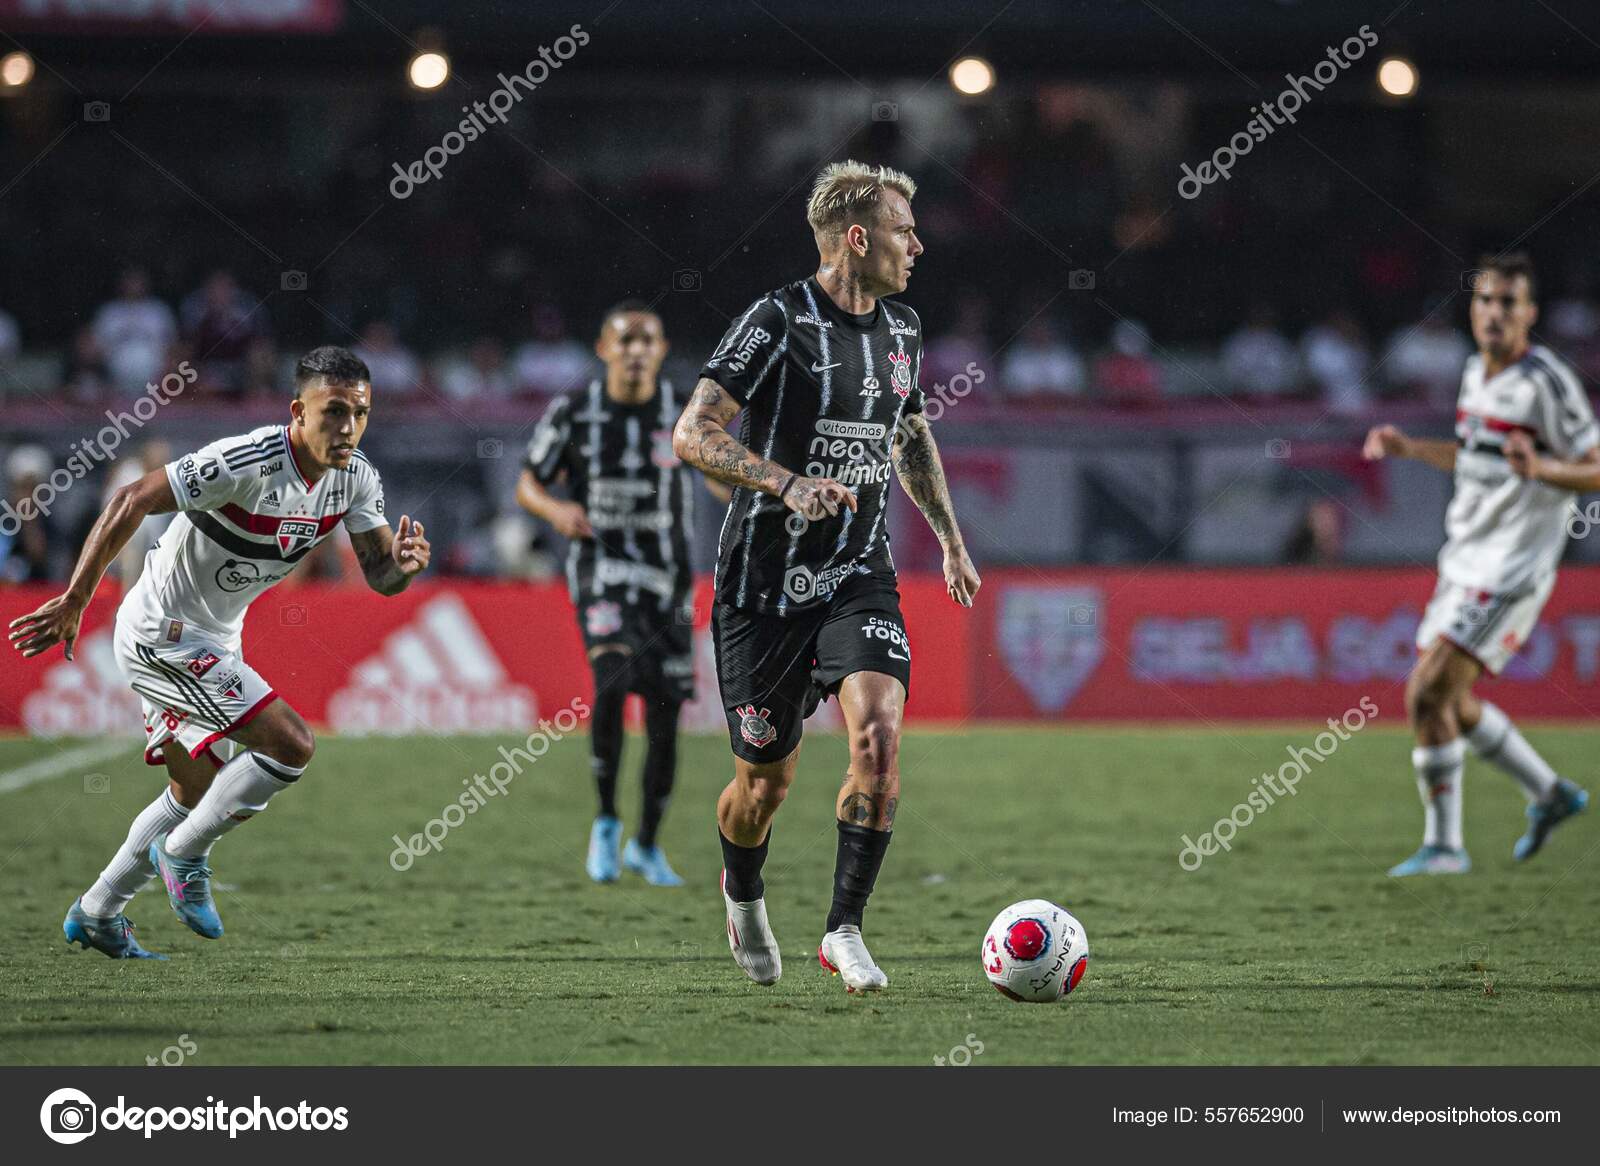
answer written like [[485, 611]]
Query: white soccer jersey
[[246, 516], [1505, 532]]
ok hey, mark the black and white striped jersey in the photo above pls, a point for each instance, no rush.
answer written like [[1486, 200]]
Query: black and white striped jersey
[[823, 392], [619, 464]]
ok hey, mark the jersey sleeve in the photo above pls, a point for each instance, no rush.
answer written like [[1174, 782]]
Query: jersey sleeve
[[743, 363], [547, 449], [366, 501], [203, 480], [1567, 417]]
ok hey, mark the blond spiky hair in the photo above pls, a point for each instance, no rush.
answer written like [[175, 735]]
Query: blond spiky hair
[[847, 192]]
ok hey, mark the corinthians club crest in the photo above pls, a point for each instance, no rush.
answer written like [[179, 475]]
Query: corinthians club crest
[[900, 373], [754, 726]]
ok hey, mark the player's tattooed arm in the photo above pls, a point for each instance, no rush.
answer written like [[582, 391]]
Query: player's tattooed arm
[[56, 621], [391, 558], [701, 438], [921, 474]]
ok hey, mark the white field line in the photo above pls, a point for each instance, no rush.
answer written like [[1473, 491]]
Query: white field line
[[59, 764]]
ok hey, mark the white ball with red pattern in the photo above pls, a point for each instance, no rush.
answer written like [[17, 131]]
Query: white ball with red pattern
[[1035, 952]]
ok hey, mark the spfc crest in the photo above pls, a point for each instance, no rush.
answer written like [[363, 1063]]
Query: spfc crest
[[754, 726], [900, 373], [295, 535], [1051, 639]]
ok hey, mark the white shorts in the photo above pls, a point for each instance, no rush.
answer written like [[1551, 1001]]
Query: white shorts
[[1488, 626], [193, 692]]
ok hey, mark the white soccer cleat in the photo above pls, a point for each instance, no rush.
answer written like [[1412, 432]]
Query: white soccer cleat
[[844, 953], [751, 940]]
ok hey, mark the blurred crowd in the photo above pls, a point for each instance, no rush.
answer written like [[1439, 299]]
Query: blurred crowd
[[137, 335], [1062, 265]]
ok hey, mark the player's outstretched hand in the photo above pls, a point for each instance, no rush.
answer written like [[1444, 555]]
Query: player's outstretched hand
[[1383, 441], [1521, 455], [56, 622], [960, 576], [410, 550], [816, 498], [571, 521]]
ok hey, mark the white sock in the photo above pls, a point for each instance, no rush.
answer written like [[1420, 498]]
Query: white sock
[[238, 793], [131, 868], [1498, 742], [1439, 772]]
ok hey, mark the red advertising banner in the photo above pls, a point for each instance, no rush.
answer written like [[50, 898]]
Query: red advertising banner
[[157, 17], [1259, 644], [1184, 645]]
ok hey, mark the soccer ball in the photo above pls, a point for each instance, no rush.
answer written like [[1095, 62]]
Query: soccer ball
[[1035, 952]]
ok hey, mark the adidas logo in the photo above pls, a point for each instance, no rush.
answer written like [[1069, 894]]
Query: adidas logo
[[436, 674], [271, 499]]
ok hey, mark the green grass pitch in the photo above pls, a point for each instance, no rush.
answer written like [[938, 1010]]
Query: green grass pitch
[[1291, 948]]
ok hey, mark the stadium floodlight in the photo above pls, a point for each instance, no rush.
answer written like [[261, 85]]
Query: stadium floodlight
[[429, 70], [16, 70], [1397, 77], [972, 76]]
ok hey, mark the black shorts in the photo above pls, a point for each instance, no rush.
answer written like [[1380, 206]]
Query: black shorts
[[660, 642], [773, 670]]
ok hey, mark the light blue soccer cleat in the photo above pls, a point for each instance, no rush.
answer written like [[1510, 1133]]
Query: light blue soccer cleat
[[603, 840], [188, 883], [113, 936], [1567, 799], [650, 862], [1433, 860]]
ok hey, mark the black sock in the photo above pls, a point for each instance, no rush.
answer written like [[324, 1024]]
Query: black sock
[[660, 765], [854, 871], [605, 726], [743, 866]]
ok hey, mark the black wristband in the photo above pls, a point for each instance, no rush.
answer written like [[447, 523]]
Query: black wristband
[[787, 483]]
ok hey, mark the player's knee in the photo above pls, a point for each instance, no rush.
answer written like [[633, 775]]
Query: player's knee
[[1428, 697], [766, 786], [875, 743], [293, 745], [769, 794]]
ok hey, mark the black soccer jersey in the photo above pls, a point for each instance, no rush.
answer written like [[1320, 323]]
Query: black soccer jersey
[[639, 497], [823, 391]]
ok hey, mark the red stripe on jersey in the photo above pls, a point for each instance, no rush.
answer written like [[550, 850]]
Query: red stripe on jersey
[[1495, 424], [268, 523]]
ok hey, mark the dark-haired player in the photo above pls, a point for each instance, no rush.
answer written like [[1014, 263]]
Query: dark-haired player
[[628, 520], [825, 370], [249, 508], [1521, 409]]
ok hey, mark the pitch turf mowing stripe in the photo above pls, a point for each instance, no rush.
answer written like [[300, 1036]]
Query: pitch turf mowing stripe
[[59, 764]]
